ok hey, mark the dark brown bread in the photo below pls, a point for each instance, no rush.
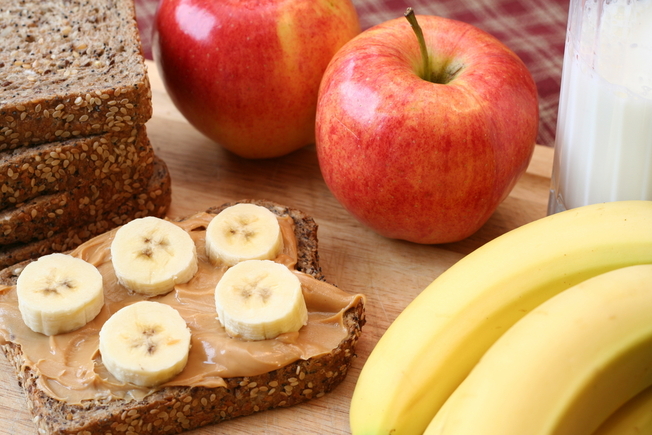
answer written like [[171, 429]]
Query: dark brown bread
[[117, 171], [176, 409], [74, 154], [70, 68], [153, 200], [119, 158]]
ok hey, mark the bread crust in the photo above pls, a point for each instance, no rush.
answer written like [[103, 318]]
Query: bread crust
[[176, 409]]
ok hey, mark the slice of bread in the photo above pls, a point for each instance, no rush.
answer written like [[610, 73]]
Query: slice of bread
[[154, 199], [113, 180], [173, 409], [119, 158], [70, 68]]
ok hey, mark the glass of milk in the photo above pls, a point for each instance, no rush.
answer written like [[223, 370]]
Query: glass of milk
[[603, 146]]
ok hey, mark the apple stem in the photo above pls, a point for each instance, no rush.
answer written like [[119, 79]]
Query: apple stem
[[412, 19]]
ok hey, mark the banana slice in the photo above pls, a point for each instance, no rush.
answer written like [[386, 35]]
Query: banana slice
[[259, 300], [59, 293], [146, 343], [152, 255], [243, 232]]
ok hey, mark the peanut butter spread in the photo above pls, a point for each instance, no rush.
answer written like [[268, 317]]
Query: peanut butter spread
[[70, 365]]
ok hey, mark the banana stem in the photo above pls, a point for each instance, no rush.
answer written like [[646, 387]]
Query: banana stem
[[412, 19]]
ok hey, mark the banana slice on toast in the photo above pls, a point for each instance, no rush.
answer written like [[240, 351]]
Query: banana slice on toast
[[151, 255], [243, 232], [145, 343], [259, 300], [59, 293]]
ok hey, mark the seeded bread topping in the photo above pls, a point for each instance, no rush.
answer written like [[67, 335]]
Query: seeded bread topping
[[70, 366], [68, 69]]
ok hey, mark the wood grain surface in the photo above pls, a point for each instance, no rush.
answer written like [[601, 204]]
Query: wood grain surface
[[389, 272]]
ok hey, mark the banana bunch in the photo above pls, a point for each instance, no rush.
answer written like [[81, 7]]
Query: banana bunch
[[147, 343], [435, 343], [564, 367]]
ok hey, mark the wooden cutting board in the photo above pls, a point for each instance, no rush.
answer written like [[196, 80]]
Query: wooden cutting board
[[389, 272]]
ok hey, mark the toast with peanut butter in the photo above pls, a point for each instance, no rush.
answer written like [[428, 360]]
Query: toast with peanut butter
[[225, 376]]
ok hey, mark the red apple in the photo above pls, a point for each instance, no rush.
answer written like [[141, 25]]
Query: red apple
[[425, 160], [246, 73]]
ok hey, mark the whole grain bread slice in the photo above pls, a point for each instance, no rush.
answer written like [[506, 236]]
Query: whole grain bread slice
[[176, 409], [112, 181], [121, 158], [153, 200], [69, 68]]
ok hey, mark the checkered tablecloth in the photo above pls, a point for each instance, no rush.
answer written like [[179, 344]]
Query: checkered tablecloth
[[535, 30]]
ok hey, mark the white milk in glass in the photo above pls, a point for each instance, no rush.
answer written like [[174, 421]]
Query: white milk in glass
[[603, 148]]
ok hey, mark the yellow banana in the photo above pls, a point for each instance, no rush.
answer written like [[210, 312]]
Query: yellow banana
[[564, 367], [633, 418], [435, 342]]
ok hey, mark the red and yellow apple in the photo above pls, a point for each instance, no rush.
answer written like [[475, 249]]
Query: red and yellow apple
[[425, 156], [246, 73]]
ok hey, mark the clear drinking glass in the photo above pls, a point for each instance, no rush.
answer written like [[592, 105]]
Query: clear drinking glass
[[603, 146]]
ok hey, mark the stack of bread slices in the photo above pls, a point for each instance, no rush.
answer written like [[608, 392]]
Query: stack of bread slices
[[75, 157]]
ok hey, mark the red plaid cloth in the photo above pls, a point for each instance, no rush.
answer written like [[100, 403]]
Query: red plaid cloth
[[534, 30]]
